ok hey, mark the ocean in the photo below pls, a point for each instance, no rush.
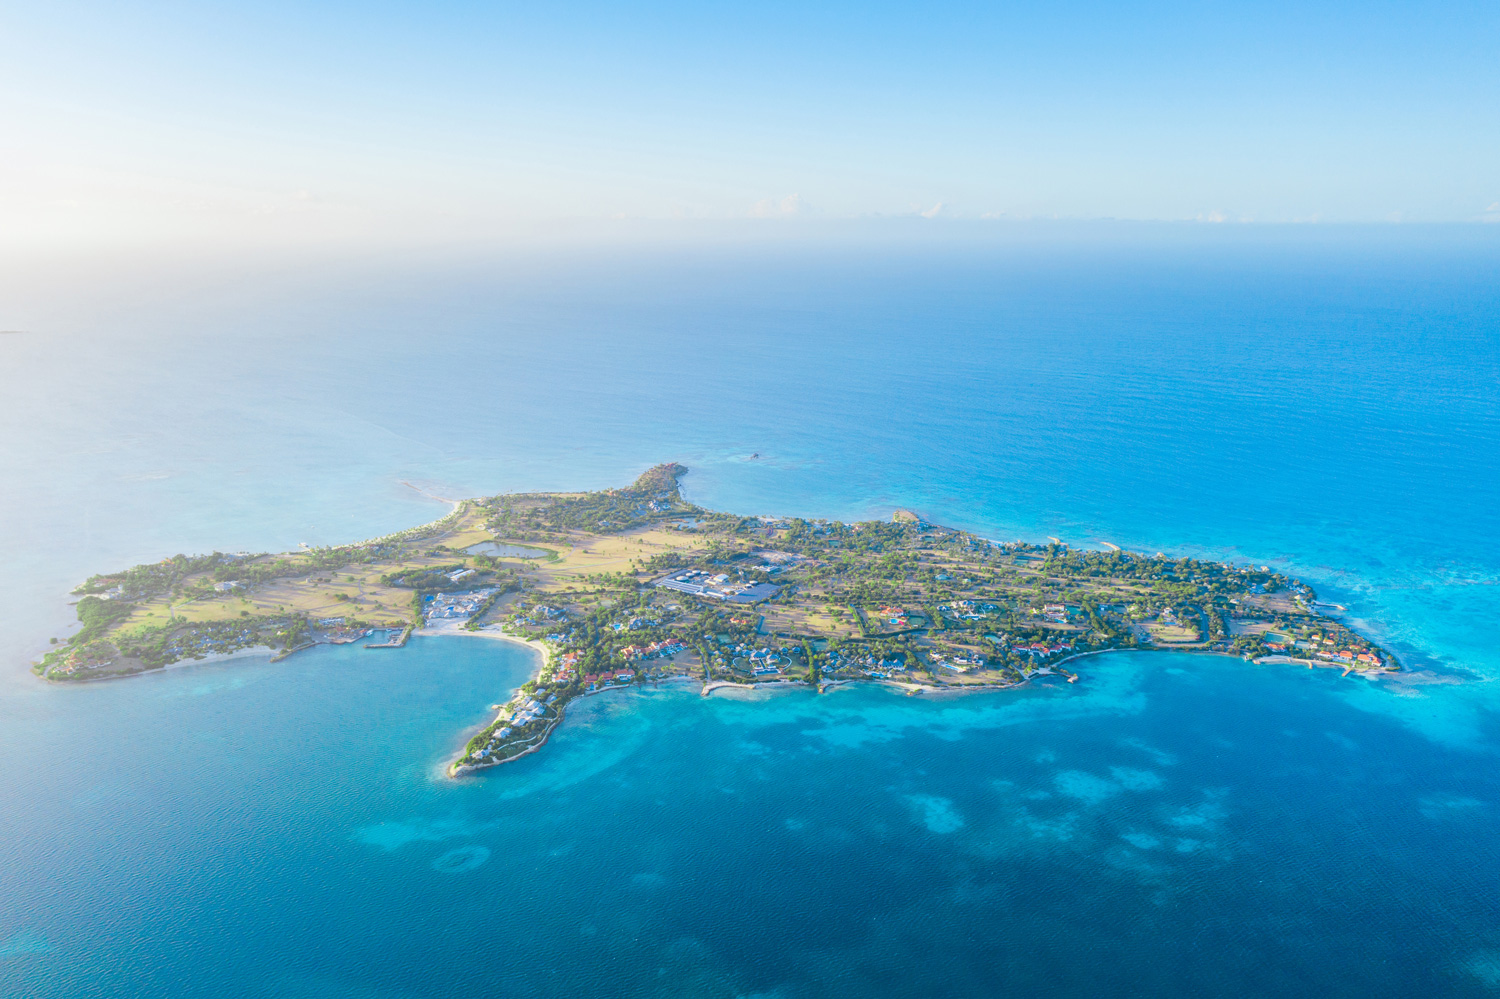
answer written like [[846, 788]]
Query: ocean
[[1323, 401]]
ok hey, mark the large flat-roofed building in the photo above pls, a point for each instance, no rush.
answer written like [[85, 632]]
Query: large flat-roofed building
[[700, 583], [682, 582]]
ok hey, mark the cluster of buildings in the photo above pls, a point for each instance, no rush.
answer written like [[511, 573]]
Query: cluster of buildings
[[540, 614], [594, 680], [665, 647], [81, 659], [527, 712], [211, 643], [337, 633], [1346, 656], [719, 586], [754, 661], [760, 662], [969, 609], [870, 664], [1042, 649], [567, 666], [455, 606], [1350, 657], [530, 710], [958, 662]]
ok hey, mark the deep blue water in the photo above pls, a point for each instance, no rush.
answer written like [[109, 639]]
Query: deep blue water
[[1168, 826]]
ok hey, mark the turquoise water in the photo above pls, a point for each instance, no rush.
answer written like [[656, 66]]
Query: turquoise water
[[1169, 826], [1166, 826]]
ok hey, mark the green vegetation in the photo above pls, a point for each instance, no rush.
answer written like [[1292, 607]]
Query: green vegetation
[[437, 578], [549, 516], [641, 585], [908, 602]]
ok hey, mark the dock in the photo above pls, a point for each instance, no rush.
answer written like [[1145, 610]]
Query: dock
[[282, 655], [713, 685], [394, 643]]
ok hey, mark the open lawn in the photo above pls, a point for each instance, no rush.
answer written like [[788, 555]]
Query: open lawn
[[1171, 634], [592, 554]]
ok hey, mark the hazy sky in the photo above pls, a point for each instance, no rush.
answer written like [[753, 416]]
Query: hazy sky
[[240, 120]]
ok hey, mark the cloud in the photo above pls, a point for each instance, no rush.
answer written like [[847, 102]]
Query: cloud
[[932, 212], [769, 208]]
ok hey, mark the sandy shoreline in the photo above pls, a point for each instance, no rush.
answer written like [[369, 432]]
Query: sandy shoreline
[[457, 630]]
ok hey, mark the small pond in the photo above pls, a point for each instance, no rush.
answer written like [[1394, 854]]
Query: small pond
[[498, 550]]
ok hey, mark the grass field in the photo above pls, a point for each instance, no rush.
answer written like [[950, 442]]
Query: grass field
[[1171, 634]]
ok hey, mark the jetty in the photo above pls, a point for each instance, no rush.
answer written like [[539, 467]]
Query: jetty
[[296, 648], [713, 685], [394, 643]]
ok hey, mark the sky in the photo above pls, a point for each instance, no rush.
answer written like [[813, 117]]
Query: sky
[[236, 121]]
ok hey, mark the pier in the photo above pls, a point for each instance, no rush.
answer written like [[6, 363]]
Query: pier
[[394, 643]]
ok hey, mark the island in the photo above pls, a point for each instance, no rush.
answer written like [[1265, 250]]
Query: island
[[637, 585]]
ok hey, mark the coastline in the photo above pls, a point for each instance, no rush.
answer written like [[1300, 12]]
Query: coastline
[[213, 657], [459, 631], [456, 629], [732, 688], [409, 571]]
